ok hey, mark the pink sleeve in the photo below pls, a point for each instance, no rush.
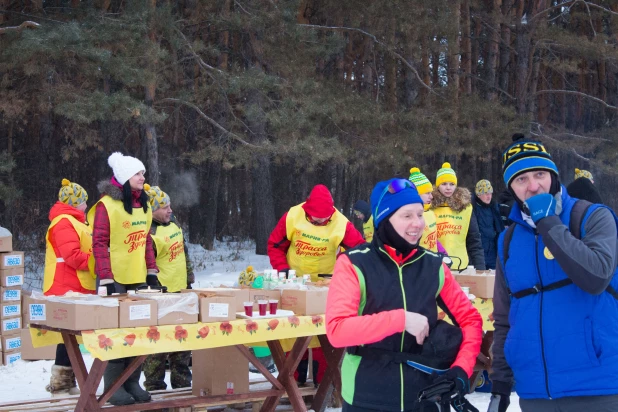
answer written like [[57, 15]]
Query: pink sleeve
[[343, 322], [441, 248], [467, 317]]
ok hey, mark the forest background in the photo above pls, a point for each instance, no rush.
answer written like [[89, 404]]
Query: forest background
[[239, 107]]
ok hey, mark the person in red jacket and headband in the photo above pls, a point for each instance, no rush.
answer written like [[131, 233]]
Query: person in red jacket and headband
[[307, 239]]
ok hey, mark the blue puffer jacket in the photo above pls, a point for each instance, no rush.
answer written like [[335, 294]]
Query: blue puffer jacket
[[562, 342]]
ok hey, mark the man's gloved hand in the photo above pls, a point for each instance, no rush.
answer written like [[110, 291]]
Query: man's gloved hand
[[499, 402], [541, 206], [109, 285], [458, 376], [152, 280]]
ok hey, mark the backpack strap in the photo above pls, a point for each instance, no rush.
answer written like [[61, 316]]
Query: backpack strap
[[507, 242], [579, 210]]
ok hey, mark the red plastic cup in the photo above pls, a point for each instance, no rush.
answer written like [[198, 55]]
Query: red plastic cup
[[248, 308], [272, 306], [262, 307]]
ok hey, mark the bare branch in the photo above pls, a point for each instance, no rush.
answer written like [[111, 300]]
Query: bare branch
[[582, 137], [209, 120], [493, 87], [569, 4], [375, 39], [573, 92], [26, 24], [542, 135], [200, 61]]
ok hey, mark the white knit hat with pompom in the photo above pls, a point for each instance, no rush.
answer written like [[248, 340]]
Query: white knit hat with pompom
[[124, 167]]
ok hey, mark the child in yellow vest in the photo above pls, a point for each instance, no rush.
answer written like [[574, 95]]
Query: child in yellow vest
[[123, 253], [68, 251], [429, 240], [175, 274], [456, 224]]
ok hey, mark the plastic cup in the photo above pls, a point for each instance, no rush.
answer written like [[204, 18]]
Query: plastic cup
[[248, 308], [272, 306], [262, 307]]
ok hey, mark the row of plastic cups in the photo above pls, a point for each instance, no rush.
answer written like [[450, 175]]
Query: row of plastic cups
[[262, 304]]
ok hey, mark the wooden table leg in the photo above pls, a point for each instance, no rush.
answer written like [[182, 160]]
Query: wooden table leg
[[287, 367], [76, 358], [87, 399], [332, 375]]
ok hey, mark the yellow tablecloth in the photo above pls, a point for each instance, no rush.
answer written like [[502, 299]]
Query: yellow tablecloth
[[106, 344], [485, 308]]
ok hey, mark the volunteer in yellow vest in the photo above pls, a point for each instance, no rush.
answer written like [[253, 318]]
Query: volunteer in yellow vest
[[458, 230], [429, 240], [362, 211], [68, 250], [175, 273], [306, 239], [123, 253]]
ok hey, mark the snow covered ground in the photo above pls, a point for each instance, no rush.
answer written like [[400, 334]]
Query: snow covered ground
[[26, 380]]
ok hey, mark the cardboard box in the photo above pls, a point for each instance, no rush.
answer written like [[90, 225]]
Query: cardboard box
[[10, 309], [175, 317], [6, 240], [11, 342], [262, 294], [34, 310], [216, 308], [241, 295], [481, 284], [74, 316], [137, 312], [304, 302], [12, 294], [9, 260], [10, 357], [12, 277], [10, 325], [219, 371], [29, 352]]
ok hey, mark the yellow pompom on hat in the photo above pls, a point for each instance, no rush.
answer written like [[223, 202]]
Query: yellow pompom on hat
[[72, 194], [582, 173], [446, 174], [423, 185], [156, 197]]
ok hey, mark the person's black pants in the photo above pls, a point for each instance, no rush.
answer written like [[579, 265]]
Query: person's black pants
[[62, 356]]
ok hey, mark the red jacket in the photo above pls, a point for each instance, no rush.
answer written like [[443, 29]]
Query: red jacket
[[65, 242], [343, 321], [278, 243]]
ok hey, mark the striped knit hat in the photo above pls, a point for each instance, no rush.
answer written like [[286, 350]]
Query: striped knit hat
[[583, 173], [423, 185], [156, 197], [446, 174], [525, 155], [72, 194]]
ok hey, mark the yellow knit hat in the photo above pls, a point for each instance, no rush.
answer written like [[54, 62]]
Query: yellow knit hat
[[582, 173], [423, 185], [72, 194], [156, 197], [446, 174]]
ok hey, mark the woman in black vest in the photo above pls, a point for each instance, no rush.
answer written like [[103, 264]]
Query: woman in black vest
[[384, 296]]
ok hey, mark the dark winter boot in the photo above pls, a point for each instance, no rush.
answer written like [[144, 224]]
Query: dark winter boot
[[112, 372], [132, 384]]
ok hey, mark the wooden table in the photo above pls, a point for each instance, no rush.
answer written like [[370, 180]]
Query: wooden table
[[89, 381]]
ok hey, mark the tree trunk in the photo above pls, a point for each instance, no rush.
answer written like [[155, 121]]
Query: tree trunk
[[453, 56], [466, 47], [391, 70], [505, 49], [493, 50], [150, 131]]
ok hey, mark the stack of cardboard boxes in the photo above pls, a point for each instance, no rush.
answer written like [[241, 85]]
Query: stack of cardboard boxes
[[11, 281]]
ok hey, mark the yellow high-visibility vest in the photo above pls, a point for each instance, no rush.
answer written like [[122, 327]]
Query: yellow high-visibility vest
[[452, 232], [429, 240], [171, 259], [368, 230]]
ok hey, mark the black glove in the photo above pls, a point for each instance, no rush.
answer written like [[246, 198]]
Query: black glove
[[284, 271], [152, 280], [499, 402], [458, 376], [110, 288], [190, 280]]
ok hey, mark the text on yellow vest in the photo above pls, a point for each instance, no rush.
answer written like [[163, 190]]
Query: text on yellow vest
[[313, 249], [452, 232], [171, 259], [127, 240], [86, 277], [429, 240]]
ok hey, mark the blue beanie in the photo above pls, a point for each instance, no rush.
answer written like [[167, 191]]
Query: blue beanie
[[384, 203], [525, 155]]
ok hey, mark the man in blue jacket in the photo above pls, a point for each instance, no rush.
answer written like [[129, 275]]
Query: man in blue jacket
[[555, 300]]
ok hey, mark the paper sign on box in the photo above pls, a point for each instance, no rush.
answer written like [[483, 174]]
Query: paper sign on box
[[10, 260], [137, 312], [11, 342], [11, 325], [10, 309], [10, 357], [12, 294], [217, 308]]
